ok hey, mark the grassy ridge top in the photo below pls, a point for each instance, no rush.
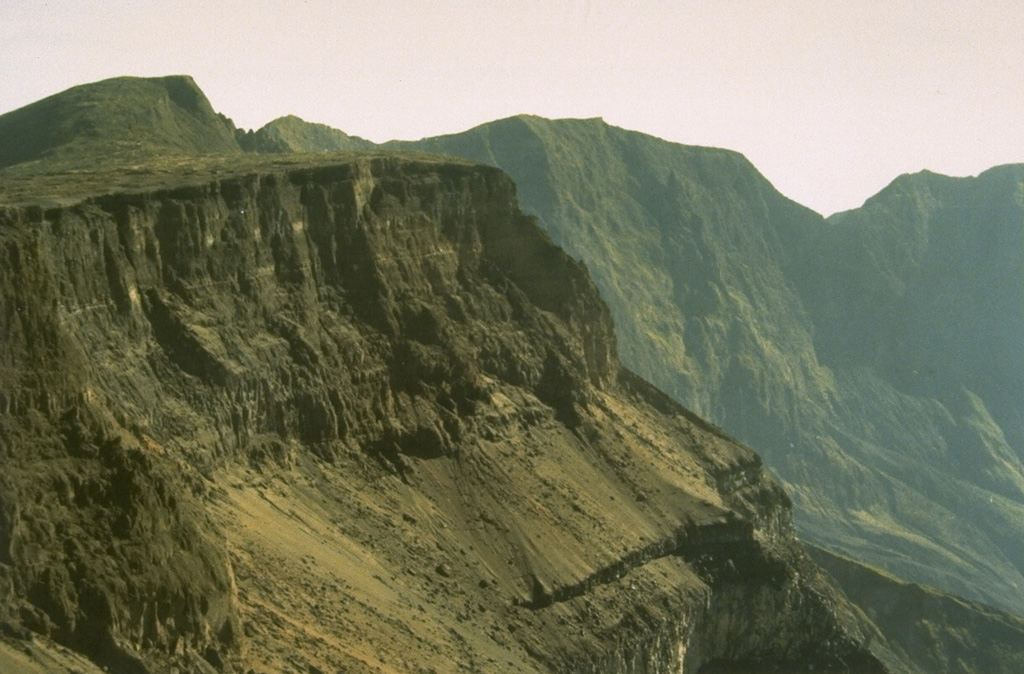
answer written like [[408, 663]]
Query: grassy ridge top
[[128, 116], [49, 183]]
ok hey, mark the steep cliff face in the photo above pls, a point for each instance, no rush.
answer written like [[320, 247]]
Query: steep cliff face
[[798, 336], [872, 359], [363, 414], [938, 263]]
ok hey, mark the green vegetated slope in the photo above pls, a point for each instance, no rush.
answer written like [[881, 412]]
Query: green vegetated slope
[[774, 323], [936, 631], [136, 119], [133, 117], [924, 284], [291, 134], [923, 289]]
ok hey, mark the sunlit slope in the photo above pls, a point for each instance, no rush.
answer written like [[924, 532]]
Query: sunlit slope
[[360, 414]]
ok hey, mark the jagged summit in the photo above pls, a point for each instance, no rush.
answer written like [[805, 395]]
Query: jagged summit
[[128, 117], [924, 182]]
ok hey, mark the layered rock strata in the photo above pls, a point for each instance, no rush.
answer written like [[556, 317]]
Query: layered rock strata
[[363, 415]]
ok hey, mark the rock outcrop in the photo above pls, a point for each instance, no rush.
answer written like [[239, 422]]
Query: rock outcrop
[[363, 415]]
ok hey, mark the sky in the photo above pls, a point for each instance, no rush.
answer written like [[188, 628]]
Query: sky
[[830, 100]]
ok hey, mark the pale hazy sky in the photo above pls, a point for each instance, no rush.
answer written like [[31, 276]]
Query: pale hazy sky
[[830, 99]]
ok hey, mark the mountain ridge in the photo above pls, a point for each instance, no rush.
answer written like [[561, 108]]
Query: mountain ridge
[[937, 631], [729, 322], [378, 417], [722, 306], [292, 134], [131, 116]]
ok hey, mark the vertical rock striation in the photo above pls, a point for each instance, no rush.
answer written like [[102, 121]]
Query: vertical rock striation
[[364, 415]]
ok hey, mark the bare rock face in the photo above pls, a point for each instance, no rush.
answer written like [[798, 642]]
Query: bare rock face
[[363, 415]]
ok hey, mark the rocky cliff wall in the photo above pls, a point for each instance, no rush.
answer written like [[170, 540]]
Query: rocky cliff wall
[[365, 415], [872, 359]]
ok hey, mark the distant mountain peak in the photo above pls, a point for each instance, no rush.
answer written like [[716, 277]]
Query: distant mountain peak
[[294, 134]]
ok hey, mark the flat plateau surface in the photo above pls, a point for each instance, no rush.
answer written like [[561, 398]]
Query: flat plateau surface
[[55, 183]]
